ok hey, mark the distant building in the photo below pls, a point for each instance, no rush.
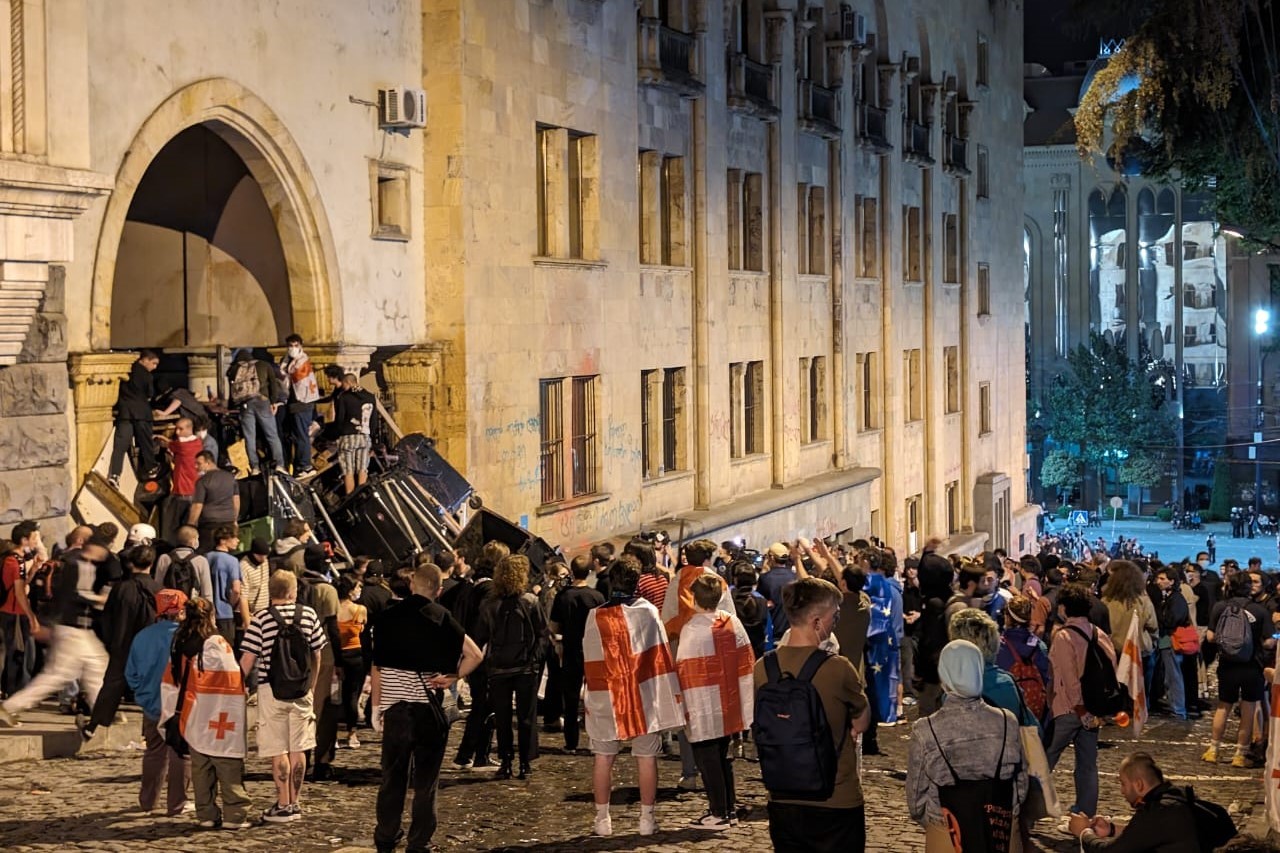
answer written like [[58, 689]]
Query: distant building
[[1146, 266]]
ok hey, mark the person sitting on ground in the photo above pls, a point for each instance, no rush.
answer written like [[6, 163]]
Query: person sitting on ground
[[1162, 820]]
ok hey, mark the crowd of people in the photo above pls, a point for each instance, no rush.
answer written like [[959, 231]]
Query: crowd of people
[[796, 655]]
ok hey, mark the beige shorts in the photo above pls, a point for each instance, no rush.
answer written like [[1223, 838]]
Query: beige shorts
[[284, 726], [645, 746]]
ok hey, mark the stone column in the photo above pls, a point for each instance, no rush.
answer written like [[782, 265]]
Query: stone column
[[202, 375], [352, 358], [95, 384], [413, 380]]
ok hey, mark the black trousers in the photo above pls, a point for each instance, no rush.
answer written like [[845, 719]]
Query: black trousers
[[516, 691], [352, 684], [812, 829], [552, 704], [140, 434], [572, 674], [413, 743], [17, 664], [112, 692], [712, 758], [870, 740], [478, 735]]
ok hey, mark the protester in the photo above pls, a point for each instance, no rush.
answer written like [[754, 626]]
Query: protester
[[1126, 598], [255, 571], [215, 502], [418, 650], [76, 652], [184, 568], [354, 416], [130, 608], [133, 417], [1073, 724], [228, 586], [18, 621], [1239, 627], [287, 724], [1171, 614], [149, 657], [203, 690], [477, 736], [257, 393], [778, 573], [714, 663], [512, 629], [884, 639], [1023, 655], [568, 624], [623, 704], [352, 619], [183, 448], [966, 747], [1162, 819], [837, 823], [998, 687], [303, 392]]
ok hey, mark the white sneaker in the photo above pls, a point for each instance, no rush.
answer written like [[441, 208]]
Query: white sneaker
[[648, 823], [353, 742], [603, 825]]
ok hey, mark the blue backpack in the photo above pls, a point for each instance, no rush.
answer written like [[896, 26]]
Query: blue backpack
[[798, 756]]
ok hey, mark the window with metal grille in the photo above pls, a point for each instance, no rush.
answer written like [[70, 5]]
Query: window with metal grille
[[984, 408], [753, 408], [584, 428], [551, 412], [951, 364]]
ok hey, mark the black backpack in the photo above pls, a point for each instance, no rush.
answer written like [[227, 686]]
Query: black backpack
[[291, 657], [511, 643], [798, 757], [181, 573], [1214, 826], [1103, 695]]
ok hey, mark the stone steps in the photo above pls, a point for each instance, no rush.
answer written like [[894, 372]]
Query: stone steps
[[45, 733]]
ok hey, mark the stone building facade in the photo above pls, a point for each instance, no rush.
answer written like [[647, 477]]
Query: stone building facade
[[745, 267]]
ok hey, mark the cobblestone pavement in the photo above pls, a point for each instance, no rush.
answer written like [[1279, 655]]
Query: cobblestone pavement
[[90, 803]]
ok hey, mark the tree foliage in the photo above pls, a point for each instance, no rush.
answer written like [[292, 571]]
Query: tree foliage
[[1206, 107], [1106, 408], [1060, 468], [1142, 470]]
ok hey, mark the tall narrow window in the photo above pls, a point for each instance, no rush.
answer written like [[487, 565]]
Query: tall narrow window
[[869, 391], [673, 431], [817, 398], [869, 235], [911, 262], [736, 410], [984, 62], [953, 507], [951, 364], [648, 426], [736, 228], [806, 410], [584, 435], [984, 408], [913, 408], [575, 194], [753, 408], [817, 230], [551, 457], [753, 222], [674, 233], [951, 248], [984, 290], [913, 521], [984, 172], [650, 206], [567, 172], [802, 229]]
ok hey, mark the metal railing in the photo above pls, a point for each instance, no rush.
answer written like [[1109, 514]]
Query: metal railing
[[675, 50], [818, 102], [957, 151], [750, 81], [873, 123], [915, 138]]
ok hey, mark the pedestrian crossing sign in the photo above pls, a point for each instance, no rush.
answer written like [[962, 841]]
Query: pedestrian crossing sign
[[1080, 517]]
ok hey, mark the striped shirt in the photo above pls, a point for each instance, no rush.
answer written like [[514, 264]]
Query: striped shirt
[[402, 685], [652, 587], [260, 636]]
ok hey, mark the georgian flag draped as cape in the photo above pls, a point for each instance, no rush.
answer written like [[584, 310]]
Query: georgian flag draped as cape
[[714, 662], [632, 687], [213, 715]]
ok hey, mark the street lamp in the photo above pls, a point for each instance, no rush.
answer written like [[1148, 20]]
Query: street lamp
[[1261, 324]]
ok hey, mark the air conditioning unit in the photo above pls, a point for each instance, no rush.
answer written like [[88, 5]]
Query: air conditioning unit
[[853, 25], [402, 106]]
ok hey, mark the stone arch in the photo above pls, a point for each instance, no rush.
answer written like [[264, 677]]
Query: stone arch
[[259, 137]]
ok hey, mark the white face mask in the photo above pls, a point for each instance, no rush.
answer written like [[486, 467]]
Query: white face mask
[[294, 352]]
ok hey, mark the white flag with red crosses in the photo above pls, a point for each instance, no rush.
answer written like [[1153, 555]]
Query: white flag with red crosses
[[714, 662], [1272, 778], [632, 688], [212, 718]]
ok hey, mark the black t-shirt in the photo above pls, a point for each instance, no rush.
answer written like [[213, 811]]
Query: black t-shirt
[[417, 635], [1261, 628], [570, 610], [134, 400]]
